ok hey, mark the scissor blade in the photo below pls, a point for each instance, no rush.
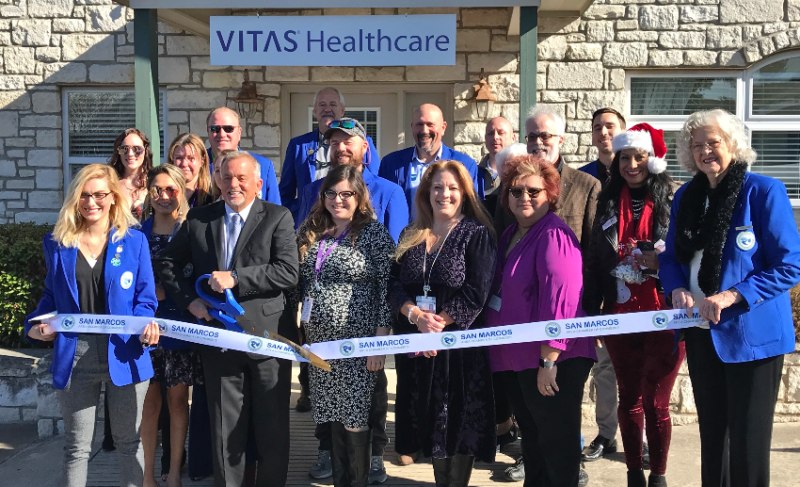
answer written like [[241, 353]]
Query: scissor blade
[[314, 359]]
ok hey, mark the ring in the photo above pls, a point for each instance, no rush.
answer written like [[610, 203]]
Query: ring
[[145, 343], [547, 387]]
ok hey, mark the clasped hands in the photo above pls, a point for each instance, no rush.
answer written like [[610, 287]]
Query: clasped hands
[[428, 322], [710, 308]]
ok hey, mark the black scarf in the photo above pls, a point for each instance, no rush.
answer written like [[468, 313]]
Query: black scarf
[[706, 228]]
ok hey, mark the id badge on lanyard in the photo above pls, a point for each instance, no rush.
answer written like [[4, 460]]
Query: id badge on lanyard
[[427, 303]]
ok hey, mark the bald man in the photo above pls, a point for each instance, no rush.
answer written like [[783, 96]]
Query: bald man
[[406, 166], [499, 135]]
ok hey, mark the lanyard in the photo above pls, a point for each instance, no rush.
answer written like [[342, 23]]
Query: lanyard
[[323, 253], [426, 281]]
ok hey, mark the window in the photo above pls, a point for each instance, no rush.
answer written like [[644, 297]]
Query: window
[[93, 118], [368, 117], [766, 97]]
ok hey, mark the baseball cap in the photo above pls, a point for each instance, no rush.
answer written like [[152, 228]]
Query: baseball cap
[[350, 126]]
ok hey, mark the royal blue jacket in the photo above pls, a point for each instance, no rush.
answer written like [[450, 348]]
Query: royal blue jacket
[[300, 166], [128, 362], [395, 168], [591, 168], [269, 189], [763, 271], [387, 198]]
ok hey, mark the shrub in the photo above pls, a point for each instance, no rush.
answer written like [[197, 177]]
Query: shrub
[[795, 295], [22, 271]]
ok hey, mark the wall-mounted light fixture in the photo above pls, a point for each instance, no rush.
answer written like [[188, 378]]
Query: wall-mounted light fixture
[[484, 98], [248, 101]]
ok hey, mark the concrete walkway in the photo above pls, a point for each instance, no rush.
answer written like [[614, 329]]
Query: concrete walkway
[[27, 462]]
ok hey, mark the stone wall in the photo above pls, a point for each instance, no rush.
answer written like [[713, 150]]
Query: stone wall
[[26, 391]]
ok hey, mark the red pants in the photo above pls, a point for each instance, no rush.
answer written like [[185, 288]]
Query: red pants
[[646, 365]]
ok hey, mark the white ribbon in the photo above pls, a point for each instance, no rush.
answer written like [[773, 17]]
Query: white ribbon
[[570, 328]]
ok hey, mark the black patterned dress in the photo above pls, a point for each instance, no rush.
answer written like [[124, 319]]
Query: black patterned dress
[[349, 302], [445, 404]]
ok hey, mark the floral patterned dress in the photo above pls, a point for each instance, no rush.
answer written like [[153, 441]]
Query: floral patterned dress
[[349, 302], [445, 404]]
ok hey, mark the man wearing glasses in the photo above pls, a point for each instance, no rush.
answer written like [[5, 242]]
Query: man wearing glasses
[[224, 134], [307, 156]]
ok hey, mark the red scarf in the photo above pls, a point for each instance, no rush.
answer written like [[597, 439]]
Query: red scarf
[[644, 296]]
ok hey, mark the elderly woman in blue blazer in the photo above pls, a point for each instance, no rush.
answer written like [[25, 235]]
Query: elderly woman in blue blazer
[[733, 252], [98, 264]]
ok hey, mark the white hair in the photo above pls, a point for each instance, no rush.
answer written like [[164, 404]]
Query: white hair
[[730, 127], [330, 88], [544, 110], [513, 150]]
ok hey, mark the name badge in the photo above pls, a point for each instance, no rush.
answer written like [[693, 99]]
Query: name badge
[[495, 302], [609, 222], [427, 303], [305, 313], [746, 240]]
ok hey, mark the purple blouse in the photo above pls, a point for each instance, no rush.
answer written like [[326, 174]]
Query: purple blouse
[[541, 279]]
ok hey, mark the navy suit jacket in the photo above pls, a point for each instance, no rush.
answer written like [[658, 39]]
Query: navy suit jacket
[[395, 166], [299, 168], [128, 362], [761, 325]]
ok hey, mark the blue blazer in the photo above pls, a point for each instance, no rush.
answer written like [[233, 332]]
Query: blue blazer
[[269, 190], [128, 362], [388, 200], [299, 167], [395, 166], [761, 325], [591, 168]]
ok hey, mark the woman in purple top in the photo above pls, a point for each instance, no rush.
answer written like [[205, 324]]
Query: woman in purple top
[[538, 277]]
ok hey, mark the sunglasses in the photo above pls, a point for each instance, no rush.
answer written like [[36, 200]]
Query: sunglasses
[[343, 124], [543, 136], [344, 195], [214, 129], [98, 196], [532, 192], [156, 192], [123, 150]]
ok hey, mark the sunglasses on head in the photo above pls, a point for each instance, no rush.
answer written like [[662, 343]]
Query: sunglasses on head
[[214, 129], [156, 192], [343, 124], [345, 195], [123, 150], [532, 192]]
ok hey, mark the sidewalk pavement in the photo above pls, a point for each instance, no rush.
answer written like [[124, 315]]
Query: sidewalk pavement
[[26, 461]]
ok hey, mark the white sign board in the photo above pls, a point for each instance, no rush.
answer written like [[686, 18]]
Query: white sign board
[[347, 40]]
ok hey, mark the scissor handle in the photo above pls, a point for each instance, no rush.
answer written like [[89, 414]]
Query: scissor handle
[[223, 311]]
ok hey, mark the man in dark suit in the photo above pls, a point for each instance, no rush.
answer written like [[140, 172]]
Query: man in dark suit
[[248, 246]]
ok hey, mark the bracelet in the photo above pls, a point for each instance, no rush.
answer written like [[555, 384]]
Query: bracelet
[[411, 313]]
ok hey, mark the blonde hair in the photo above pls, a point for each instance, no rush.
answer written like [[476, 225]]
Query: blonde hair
[[470, 206], [203, 189], [177, 177], [731, 129], [69, 225]]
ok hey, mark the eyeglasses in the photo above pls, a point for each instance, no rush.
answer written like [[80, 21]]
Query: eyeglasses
[[155, 192], [97, 196], [343, 124], [123, 150], [517, 192], [344, 195], [711, 145], [214, 129], [543, 136]]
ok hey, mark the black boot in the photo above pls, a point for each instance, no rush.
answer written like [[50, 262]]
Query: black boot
[[441, 471], [657, 481], [460, 470], [359, 450], [636, 478], [339, 462]]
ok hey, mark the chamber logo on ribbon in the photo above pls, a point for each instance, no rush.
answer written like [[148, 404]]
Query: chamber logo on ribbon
[[162, 326], [347, 348], [67, 322], [660, 320], [254, 344], [552, 329], [449, 339]]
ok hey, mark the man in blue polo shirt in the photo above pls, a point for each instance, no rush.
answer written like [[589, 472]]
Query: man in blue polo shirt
[[307, 157], [406, 166], [225, 133]]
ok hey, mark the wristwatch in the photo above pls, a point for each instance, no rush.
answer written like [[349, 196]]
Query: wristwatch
[[546, 364], [235, 276]]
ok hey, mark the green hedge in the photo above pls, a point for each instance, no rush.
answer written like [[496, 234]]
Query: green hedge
[[22, 272]]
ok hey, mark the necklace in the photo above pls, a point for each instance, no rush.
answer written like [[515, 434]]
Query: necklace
[[518, 235], [92, 246]]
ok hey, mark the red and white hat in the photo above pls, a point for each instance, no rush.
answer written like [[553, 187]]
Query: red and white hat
[[643, 136]]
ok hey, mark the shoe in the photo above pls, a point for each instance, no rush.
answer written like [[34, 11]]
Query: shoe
[[516, 472], [303, 404], [645, 456], [657, 481], [377, 472], [599, 447], [636, 478], [509, 437], [322, 469], [583, 477]]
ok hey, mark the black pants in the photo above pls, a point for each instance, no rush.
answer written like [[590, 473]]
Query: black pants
[[377, 419], [735, 409], [551, 426]]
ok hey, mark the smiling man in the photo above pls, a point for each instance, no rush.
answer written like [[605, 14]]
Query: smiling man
[[606, 123], [499, 135]]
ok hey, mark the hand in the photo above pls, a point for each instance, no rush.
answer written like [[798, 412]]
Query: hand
[[150, 335], [546, 381], [199, 309], [711, 307], [161, 295], [428, 322], [681, 298], [647, 259], [221, 280], [375, 362], [42, 332]]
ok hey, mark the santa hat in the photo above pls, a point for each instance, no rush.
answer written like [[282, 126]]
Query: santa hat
[[643, 136]]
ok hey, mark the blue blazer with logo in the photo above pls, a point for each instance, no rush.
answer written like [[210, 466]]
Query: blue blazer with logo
[[395, 166], [299, 167], [762, 269], [128, 362]]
